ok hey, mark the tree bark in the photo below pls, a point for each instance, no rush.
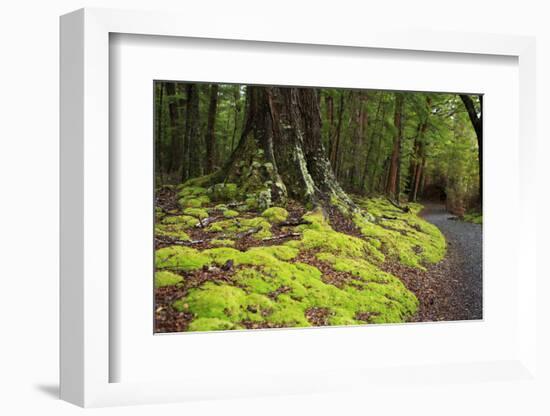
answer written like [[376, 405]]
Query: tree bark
[[210, 129], [477, 123]]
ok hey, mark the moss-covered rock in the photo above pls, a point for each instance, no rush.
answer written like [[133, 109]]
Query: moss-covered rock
[[198, 213], [232, 227], [229, 213], [404, 237], [275, 214], [223, 192], [166, 278], [187, 221], [180, 258], [176, 231], [222, 242]]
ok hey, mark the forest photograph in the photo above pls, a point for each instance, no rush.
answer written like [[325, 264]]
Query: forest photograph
[[284, 207]]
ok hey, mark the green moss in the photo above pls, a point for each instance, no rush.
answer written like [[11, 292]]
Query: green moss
[[232, 227], [184, 220], [187, 191], [229, 213], [194, 201], [275, 214], [223, 192], [222, 242], [196, 212], [269, 286], [172, 230], [473, 217], [404, 237], [180, 258], [211, 324], [278, 292], [166, 278]]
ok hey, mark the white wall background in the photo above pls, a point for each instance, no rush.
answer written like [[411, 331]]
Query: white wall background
[[29, 206]]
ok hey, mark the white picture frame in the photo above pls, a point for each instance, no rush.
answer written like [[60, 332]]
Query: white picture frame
[[86, 357]]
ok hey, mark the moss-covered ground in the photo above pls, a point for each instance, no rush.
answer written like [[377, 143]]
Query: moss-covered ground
[[222, 263]]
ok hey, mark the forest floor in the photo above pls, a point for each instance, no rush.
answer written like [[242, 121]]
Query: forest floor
[[232, 266]]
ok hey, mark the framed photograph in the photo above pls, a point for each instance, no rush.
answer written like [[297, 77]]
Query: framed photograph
[[247, 215]]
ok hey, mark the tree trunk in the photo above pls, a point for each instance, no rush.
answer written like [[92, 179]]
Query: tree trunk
[[392, 187], [191, 164], [335, 141], [370, 143], [176, 139], [378, 151], [281, 148], [236, 99], [210, 129], [158, 139], [477, 123]]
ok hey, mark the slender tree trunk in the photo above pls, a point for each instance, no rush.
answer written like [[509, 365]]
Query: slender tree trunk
[[370, 140], [158, 139], [237, 102], [174, 160], [210, 129], [360, 125], [191, 163], [392, 187], [335, 141], [477, 123]]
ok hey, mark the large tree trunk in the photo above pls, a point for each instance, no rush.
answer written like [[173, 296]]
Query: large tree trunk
[[281, 149], [477, 123], [210, 129], [392, 188]]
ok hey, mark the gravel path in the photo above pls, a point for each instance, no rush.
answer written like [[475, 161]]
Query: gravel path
[[452, 289], [458, 277]]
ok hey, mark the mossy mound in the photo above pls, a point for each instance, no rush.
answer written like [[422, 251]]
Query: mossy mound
[[233, 227], [278, 292], [404, 237], [275, 214], [165, 278]]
